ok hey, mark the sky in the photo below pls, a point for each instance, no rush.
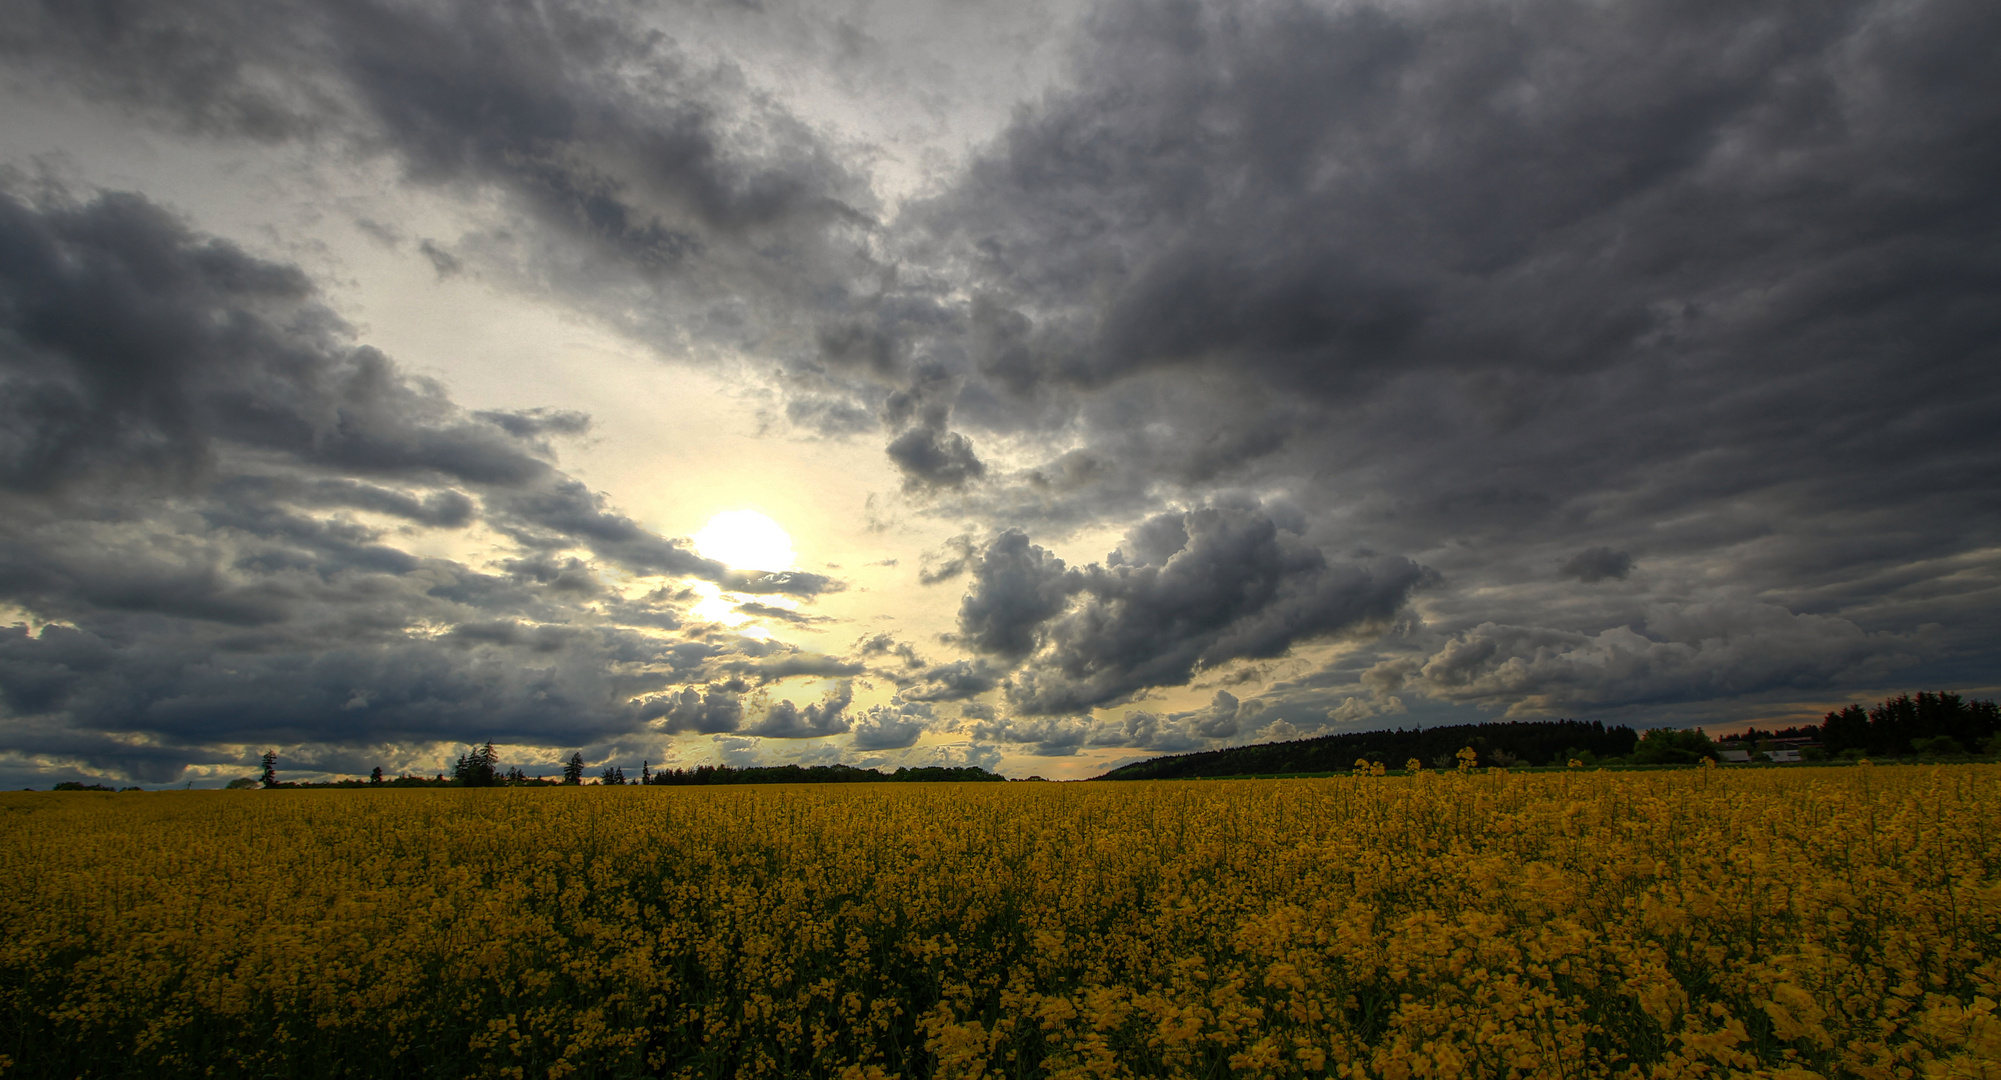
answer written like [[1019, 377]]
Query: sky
[[1033, 385]]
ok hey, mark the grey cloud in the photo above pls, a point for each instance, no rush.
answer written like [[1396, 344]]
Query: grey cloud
[[443, 262], [132, 344], [1583, 246], [498, 680], [785, 720], [828, 415], [689, 709], [1142, 730], [853, 344], [1228, 584], [787, 662], [564, 512], [1682, 653], [1220, 719], [931, 459], [1503, 288], [791, 582], [1044, 736], [447, 509], [955, 558], [383, 233], [891, 727], [189, 416], [884, 645], [1017, 586], [537, 423], [785, 615], [1315, 244], [955, 681], [1594, 565], [600, 128], [1174, 733], [1497, 284], [568, 575]]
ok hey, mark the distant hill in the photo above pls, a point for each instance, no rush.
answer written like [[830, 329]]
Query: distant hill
[[1534, 743]]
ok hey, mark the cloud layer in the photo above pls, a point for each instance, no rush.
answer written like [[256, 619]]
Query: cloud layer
[[1432, 359]]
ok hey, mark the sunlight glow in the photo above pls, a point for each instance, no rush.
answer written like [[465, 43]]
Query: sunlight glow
[[715, 607], [745, 540]]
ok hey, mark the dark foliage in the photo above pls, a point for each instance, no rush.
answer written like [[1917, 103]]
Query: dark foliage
[[820, 774], [1494, 743], [1668, 746], [1755, 735], [1897, 725], [475, 767]]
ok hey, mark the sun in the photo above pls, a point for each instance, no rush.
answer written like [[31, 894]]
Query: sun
[[745, 540]]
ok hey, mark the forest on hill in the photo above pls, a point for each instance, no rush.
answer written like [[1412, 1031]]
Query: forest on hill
[[1938, 723], [1526, 743]]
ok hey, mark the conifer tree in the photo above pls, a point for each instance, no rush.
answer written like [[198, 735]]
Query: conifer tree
[[573, 773], [475, 767]]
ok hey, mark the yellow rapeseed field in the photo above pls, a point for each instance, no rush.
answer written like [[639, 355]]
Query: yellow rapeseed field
[[1832, 922]]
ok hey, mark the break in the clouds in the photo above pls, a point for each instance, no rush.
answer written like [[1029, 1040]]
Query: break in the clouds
[[1229, 371]]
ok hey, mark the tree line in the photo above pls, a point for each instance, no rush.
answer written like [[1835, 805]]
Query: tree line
[[1517, 743], [1927, 723], [1924, 723], [480, 766]]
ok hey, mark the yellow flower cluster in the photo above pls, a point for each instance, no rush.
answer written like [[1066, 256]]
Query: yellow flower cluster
[[1783, 923]]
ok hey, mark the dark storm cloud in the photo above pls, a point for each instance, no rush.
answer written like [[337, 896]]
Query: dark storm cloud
[[1693, 653], [131, 345], [195, 449], [1334, 195], [1508, 287], [705, 712], [1185, 591], [930, 459], [440, 509], [1017, 586], [598, 130], [201, 689], [1594, 565]]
